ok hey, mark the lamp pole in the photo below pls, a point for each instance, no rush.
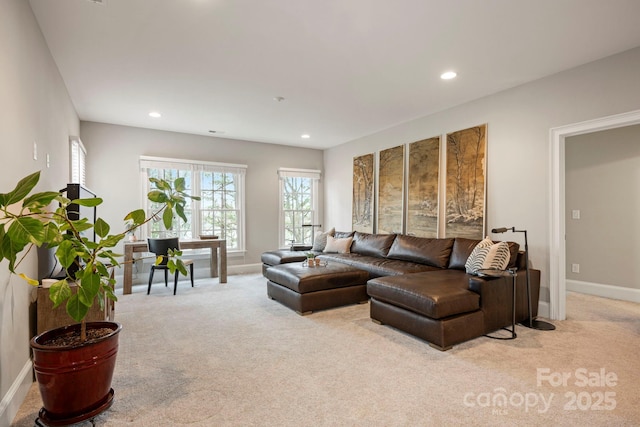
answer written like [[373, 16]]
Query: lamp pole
[[532, 323]]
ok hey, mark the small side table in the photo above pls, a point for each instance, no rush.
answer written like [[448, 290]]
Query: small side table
[[492, 272]]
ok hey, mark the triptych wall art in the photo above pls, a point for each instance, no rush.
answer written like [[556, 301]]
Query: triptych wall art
[[414, 190]]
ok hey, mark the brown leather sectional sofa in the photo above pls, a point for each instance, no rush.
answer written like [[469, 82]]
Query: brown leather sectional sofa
[[419, 285]]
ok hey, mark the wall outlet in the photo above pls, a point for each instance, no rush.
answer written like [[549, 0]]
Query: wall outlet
[[575, 268], [575, 214]]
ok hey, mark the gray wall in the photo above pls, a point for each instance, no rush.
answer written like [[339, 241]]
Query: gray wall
[[113, 173], [518, 167], [35, 108], [602, 172]]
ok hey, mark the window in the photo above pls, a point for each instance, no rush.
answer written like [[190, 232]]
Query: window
[[298, 205], [219, 211], [77, 157]]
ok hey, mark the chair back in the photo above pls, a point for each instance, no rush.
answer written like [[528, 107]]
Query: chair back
[[161, 247]]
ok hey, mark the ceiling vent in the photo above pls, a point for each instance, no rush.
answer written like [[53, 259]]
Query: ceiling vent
[[98, 1]]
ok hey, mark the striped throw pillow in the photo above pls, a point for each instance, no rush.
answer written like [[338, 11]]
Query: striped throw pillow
[[487, 255]]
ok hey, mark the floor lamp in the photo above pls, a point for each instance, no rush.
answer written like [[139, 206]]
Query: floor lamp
[[531, 323]]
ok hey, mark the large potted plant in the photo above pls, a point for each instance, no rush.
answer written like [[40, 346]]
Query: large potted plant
[[74, 364]]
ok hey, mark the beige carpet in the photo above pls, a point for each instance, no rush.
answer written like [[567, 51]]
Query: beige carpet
[[226, 355]]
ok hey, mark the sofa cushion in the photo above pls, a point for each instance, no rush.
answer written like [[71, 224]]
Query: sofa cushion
[[460, 252], [341, 246], [488, 255], [377, 266], [377, 245], [282, 257], [437, 294], [435, 252], [343, 234], [320, 240]]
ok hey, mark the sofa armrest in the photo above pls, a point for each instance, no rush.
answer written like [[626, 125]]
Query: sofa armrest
[[297, 248]]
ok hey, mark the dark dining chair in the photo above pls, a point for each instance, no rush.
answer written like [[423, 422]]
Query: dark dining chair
[[161, 247]]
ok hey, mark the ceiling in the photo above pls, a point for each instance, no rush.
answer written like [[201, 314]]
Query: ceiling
[[345, 68]]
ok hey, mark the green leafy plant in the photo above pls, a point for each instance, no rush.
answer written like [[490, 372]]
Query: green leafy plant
[[29, 220]]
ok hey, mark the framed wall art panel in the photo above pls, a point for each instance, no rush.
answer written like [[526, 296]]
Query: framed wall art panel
[[422, 188], [390, 190], [363, 203], [465, 189]]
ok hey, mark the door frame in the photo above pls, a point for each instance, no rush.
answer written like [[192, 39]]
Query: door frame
[[557, 250]]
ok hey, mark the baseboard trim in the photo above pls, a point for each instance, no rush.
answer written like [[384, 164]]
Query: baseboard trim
[[10, 403], [543, 309], [244, 269], [606, 291]]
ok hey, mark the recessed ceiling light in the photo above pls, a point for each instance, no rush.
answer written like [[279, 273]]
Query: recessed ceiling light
[[448, 75], [305, 136], [155, 115]]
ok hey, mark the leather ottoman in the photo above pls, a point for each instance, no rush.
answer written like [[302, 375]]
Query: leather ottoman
[[307, 289]]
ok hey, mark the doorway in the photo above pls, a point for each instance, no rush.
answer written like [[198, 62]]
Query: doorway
[[557, 251]]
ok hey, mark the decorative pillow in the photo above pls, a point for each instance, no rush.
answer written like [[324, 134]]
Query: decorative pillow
[[341, 246], [487, 254], [321, 240]]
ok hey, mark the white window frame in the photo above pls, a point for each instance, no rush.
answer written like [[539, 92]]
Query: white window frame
[[315, 176], [77, 161], [197, 166]]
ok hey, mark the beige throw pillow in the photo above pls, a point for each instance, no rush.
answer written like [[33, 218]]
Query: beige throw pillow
[[340, 246]]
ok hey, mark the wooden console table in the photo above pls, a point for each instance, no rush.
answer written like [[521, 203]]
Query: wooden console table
[[218, 260]]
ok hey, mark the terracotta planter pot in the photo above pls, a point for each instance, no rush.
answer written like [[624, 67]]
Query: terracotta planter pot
[[75, 381]]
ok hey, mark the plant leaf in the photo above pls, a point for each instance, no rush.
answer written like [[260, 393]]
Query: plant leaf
[[138, 216], [157, 196], [101, 227], [167, 217], [59, 292], [29, 280], [10, 249], [66, 253], [180, 212], [179, 184], [26, 229], [111, 241], [181, 267], [76, 309], [52, 235], [24, 187], [91, 202], [39, 199], [161, 184], [90, 286]]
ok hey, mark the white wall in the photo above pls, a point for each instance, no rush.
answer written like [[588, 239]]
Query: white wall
[[603, 183], [518, 154], [35, 108], [113, 173]]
